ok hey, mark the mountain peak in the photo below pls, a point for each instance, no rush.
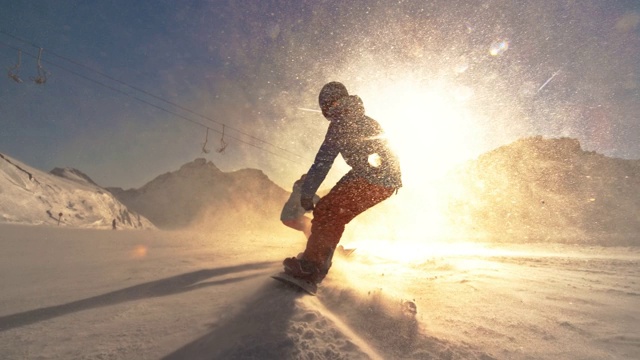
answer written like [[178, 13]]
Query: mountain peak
[[200, 164], [177, 199], [73, 175]]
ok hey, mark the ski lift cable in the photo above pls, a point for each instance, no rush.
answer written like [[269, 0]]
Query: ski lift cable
[[150, 94], [157, 106]]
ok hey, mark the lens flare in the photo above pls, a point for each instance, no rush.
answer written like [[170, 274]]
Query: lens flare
[[499, 47], [375, 160], [139, 252]]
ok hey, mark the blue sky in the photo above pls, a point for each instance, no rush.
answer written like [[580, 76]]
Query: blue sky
[[551, 68]]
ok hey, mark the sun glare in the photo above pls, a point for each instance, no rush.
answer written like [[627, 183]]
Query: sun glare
[[429, 125], [414, 252], [432, 126]]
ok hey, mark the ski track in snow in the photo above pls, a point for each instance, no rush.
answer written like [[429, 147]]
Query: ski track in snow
[[91, 294]]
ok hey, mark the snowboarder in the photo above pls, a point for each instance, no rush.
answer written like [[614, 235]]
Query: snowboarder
[[374, 176], [293, 214]]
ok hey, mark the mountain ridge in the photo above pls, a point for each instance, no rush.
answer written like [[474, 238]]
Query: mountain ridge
[[532, 190], [549, 190], [64, 197], [199, 190]]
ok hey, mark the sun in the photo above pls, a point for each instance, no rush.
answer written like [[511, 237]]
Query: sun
[[430, 125], [433, 127]]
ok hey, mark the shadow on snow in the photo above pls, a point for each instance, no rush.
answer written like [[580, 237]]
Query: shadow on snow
[[259, 331], [169, 286]]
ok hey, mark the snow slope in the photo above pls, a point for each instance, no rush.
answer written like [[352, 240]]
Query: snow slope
[[91, 294], [67, 197]]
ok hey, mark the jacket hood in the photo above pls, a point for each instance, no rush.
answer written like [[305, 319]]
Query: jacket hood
[[330, 93]]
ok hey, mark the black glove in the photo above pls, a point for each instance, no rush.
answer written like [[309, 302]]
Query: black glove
[[307, 204]]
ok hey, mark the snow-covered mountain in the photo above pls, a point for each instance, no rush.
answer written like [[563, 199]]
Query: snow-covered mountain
[[201, 194], [65, 197], [538, 189]]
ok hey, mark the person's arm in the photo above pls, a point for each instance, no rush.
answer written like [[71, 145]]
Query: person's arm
[[325, 157]]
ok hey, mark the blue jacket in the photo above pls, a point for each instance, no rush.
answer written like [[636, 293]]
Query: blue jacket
[[361, 142]]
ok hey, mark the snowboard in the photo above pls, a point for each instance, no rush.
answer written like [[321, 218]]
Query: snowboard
[[306, 286]]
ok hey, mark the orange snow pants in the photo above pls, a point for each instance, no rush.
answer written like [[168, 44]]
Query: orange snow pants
[[343, 203]]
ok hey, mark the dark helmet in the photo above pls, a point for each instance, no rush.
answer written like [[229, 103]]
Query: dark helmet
[[331, 92]]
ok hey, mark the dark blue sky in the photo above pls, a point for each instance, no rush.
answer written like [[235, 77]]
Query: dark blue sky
[[252, 65]]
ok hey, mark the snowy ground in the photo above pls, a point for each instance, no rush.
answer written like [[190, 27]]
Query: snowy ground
[[102, 294]]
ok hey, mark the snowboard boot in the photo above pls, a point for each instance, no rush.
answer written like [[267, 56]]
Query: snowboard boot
[[300, 268]]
